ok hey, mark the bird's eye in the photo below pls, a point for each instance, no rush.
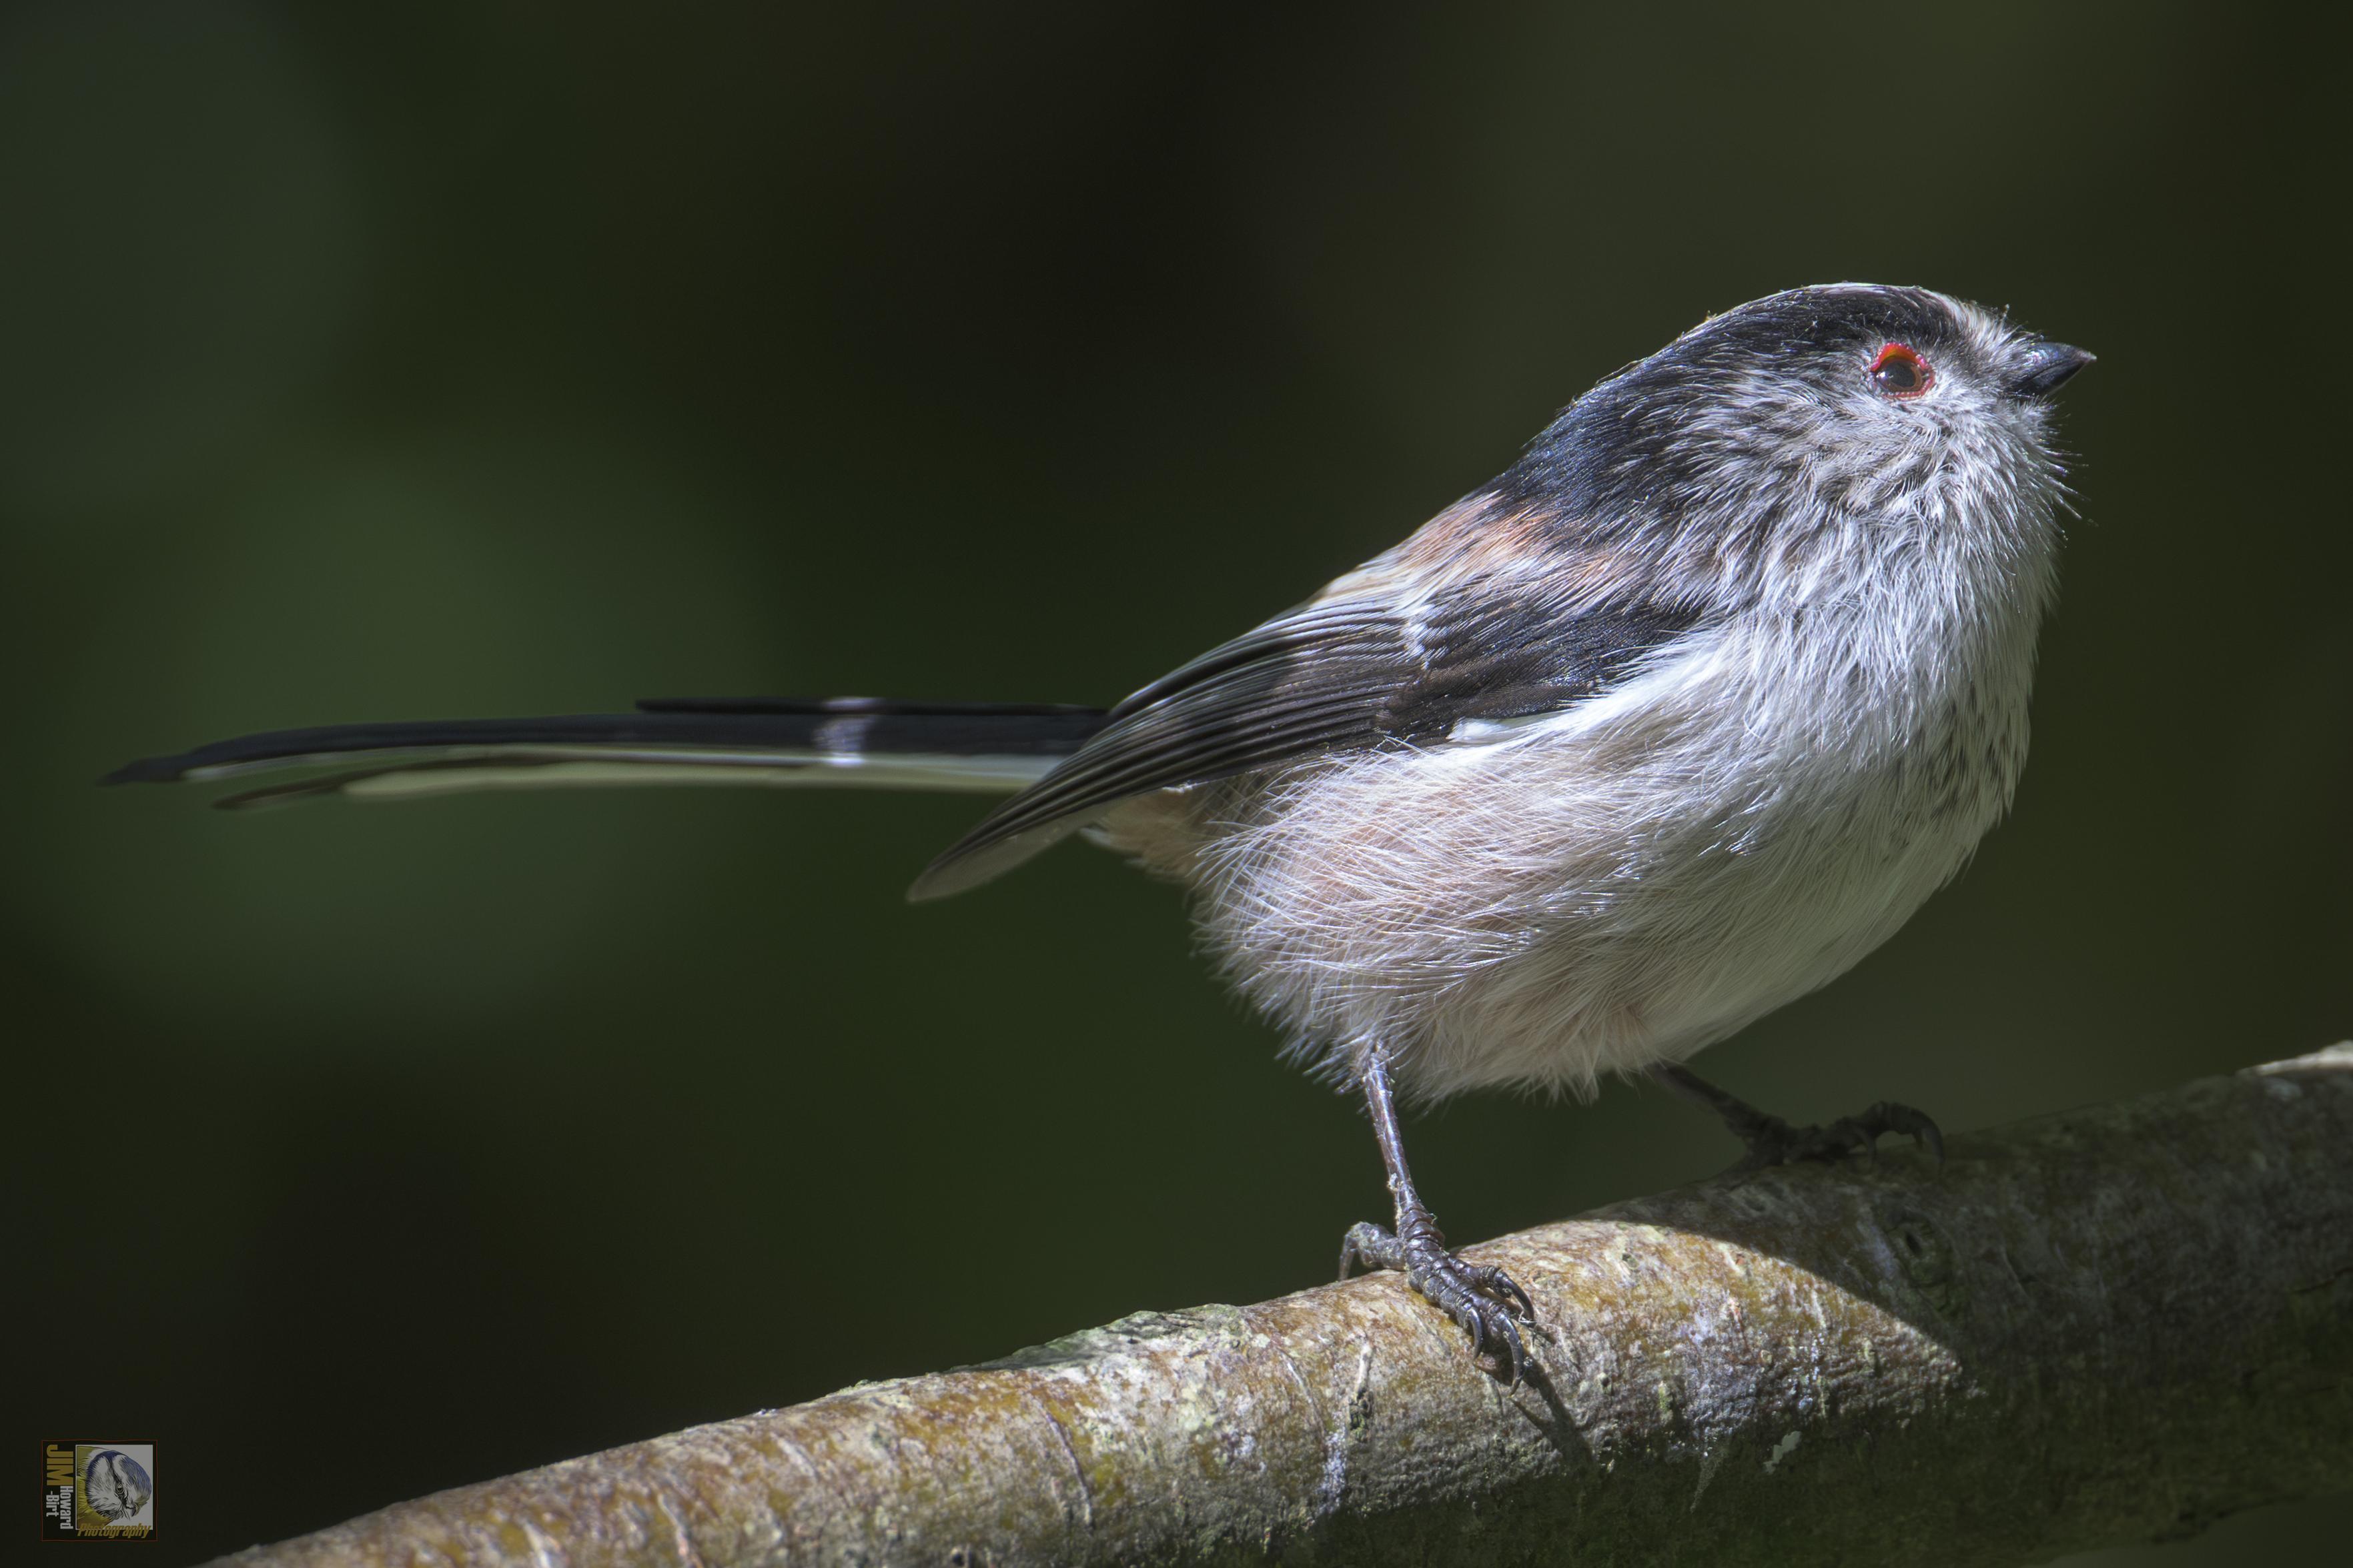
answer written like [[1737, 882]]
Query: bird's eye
[[1900, 372]]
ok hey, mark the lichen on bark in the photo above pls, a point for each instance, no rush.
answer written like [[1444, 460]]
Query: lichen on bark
[[2112, 1325]]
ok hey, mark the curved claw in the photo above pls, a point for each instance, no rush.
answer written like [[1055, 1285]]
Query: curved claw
[[1510, 1337], [1519, 1353], [1887, 1116], [1773, 1142], [1480, 1297], [1508, 1286]]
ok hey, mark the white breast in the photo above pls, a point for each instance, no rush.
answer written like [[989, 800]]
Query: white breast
[[1631, 880]]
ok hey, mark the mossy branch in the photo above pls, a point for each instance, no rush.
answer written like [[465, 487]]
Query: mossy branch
[[2109, 1326]]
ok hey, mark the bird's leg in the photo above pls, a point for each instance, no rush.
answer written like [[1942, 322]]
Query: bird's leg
[[1479, 1296], [1773, 1142]]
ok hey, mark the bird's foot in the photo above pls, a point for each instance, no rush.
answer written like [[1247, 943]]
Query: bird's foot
[[1773, 1142], [1481, 1296]]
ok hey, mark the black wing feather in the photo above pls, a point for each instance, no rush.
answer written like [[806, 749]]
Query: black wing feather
[[1326, 679]]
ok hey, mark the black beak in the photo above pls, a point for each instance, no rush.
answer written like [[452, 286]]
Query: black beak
[[2046, 367]]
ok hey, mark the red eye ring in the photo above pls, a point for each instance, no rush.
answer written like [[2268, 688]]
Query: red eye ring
[[1899, 372]]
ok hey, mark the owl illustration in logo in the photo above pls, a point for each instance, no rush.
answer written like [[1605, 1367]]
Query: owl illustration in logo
[[115, 1486]]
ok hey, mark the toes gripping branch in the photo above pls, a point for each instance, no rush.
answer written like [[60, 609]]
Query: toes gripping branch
[[1487, 1302], [1773, 1142]]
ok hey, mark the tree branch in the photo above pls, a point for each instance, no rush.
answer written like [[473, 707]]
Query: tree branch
[[2113, 1325]]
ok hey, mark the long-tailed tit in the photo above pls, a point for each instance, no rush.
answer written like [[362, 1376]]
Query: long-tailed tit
[[1665, 726]]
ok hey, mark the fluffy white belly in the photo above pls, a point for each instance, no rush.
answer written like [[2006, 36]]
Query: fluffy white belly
[[1619, 885]]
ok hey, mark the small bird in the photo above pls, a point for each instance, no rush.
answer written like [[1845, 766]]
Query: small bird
[[1666, 725]]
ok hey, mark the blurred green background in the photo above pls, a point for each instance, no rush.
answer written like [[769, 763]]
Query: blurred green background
[[373, 361]]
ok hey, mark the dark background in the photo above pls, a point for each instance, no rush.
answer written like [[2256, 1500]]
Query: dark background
[[474, 359]]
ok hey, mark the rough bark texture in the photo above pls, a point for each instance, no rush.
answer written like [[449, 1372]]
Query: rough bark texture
[[2109, 1326]]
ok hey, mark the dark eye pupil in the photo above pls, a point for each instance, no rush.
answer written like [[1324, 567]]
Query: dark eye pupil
[[1900, 376]]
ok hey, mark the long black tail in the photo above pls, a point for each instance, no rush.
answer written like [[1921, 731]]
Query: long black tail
[[858, 741]]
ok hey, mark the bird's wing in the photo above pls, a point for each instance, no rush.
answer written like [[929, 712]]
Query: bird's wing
[[1331, 676]]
